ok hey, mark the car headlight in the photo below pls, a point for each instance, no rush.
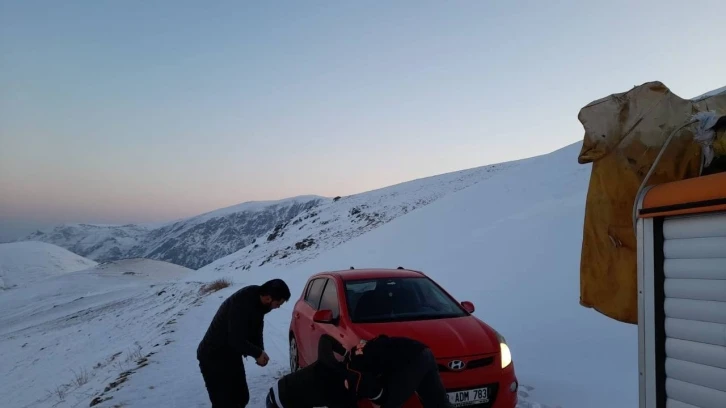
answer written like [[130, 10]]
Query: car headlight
[[506, 355], [505, 352]]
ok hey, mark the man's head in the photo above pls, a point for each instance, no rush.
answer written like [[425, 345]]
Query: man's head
[[274, 293]]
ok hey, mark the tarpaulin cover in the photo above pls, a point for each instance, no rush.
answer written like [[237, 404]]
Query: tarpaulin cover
[[624, 133]]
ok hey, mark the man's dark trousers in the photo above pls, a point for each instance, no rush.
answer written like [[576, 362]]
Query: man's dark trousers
[[421, 375], [226, 382]]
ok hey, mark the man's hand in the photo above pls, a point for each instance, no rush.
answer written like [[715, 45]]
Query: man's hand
[[263, 359]]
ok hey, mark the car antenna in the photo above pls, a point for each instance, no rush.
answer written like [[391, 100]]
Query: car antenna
[[400, 267], [352, 267]]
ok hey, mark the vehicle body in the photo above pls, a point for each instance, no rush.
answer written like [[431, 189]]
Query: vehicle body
[[359, 304], [681, 236]]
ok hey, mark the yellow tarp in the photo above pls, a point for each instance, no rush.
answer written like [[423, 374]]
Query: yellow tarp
[[623, 135]]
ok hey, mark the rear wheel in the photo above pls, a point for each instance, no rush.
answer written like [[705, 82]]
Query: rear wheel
[[294, 361]]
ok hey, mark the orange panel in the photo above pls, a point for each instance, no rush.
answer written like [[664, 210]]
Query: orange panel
[[694, 195]]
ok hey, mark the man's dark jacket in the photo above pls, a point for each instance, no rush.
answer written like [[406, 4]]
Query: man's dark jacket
[[236, 329], [321, 383]]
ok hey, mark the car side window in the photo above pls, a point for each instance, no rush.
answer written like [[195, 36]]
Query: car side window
[[329, 301], [307, 289], [313, 295]]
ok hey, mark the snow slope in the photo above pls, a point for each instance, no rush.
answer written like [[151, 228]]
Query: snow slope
[[26, 262], [334, 222], [65, 338]]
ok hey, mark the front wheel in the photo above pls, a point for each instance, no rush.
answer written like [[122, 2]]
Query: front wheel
[[294, 362]]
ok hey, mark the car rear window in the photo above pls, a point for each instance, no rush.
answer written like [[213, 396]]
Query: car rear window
[[398, 299]]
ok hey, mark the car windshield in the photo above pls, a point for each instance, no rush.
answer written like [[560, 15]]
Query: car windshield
[[398, 299]]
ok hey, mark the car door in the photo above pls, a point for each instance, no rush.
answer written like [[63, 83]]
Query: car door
[[330, 300], [307, 342]]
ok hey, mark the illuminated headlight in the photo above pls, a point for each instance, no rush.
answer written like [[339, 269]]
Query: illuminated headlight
[[506, 355], [505, 352]]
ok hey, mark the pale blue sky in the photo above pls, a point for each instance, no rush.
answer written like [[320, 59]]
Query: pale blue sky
[[135, 111]]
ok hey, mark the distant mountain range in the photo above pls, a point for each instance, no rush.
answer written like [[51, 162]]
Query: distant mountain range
[[263, 232], [192, 242]]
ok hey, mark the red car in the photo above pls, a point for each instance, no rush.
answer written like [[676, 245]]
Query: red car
[[351, 305]]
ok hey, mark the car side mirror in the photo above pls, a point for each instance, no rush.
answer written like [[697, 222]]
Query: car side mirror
[[468, 306], [324, 316]]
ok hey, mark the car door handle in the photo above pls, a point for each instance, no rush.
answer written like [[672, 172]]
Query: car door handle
[[297, 315]]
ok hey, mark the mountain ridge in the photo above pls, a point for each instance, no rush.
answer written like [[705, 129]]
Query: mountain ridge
[[192, 242]]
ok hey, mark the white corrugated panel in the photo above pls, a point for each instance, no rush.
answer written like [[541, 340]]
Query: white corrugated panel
[[695, 227], [699, 310], [707, 268], [695, 311], [696, 395], [700, 332], [678, 404], [694, 248], [696, 289], [701, 353]]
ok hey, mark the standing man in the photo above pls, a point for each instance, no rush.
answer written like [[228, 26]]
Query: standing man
[[234, 333]]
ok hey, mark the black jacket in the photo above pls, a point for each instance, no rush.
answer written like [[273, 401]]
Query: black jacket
[[322, 382], [236, 329], [319, 384], [382, 356]]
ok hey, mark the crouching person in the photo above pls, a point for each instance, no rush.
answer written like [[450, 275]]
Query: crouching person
[[387, 371], [321, 384]]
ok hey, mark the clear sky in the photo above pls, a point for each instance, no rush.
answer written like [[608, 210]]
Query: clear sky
[[139, 111]]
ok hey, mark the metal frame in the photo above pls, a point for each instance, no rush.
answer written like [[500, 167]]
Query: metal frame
[[646, 312]]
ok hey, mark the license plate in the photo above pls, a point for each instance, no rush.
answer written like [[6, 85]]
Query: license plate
[[469, 397]]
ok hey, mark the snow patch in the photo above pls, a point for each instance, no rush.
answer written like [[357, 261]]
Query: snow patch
[[22, 263]]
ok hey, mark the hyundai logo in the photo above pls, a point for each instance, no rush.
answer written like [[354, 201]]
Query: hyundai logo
[[456, 365]]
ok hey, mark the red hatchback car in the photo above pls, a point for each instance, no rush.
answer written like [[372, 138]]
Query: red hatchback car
[[358, 304]]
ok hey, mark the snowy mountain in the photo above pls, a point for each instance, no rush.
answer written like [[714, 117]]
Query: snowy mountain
[[282, 232], [192, 242], [23, 263], [334, 222]]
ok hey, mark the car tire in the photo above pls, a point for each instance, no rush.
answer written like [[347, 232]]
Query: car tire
[[294, 358]]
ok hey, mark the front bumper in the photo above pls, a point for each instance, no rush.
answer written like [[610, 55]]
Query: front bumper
[[502, 384]]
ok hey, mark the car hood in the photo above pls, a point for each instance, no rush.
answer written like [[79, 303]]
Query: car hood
[[453, 337]]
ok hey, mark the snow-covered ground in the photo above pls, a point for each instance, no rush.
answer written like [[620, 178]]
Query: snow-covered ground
[[63, 339], [26, 262], [509, 241]]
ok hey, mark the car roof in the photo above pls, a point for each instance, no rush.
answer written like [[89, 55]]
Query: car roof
[[371, 273]]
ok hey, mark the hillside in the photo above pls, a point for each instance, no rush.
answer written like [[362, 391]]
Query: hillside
[[334, 222], [192, 242], [65, 338], [23, 263]]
